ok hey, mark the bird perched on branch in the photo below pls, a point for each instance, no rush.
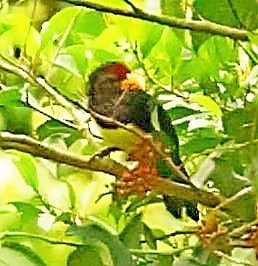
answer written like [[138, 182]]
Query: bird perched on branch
[[117, 93]]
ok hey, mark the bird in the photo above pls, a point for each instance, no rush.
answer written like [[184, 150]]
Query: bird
[[115, 92]]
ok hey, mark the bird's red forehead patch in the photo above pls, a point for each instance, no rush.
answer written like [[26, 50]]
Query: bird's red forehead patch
[[119, 69]]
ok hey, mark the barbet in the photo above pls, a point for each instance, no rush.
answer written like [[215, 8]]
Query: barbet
[[114, 92]]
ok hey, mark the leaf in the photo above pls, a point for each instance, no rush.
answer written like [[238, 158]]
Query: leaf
[[240, 14], [52, 127], [172, 8], [166, 55], [28, 213], [11, 98], [12, 253], [4, 27], [227, 176], [92, 234], [73, 59], [26, 165], [131, 234], [208, 103], [144, 34], [78, 19], [21, 34], [213, 55], [149, 237], [201, 140], [240, 124], [90, 22], [57, 25], [85, 256], [72, 195]]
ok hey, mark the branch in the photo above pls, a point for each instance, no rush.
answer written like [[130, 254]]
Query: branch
[[106, 165], [186, 191], [21, 72], [29, 145], [194, 25], [4, 235]]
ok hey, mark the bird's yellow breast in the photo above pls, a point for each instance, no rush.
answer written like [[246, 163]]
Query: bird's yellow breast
[[117, 137]]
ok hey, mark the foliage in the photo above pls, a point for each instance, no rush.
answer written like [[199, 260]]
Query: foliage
[[56, 214]]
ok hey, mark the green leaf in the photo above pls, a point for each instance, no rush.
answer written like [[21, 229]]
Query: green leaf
[[131, 234], [215, 54], [52, 127], [167, 54], [28, 214], [72, 195], [144, 34], [78, 20], [58, 24], [113, 248], [20, 34], [208, 103], [18, 119], [73, 59], [85, 256], [240, 124], [90, 22], [4, 27], [201, 140], [149, 237], [12, 253], [240, 14], [244, 254], [172, 8], [227, 176], [11, 97], [26, 165]]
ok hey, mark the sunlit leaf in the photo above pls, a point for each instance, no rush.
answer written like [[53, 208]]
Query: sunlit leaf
[[144, 34], [12, 253], [27, 167], [73, 59], [208, 103]]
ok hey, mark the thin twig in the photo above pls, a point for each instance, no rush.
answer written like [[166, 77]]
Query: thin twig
[[176, 233], [243, 229], [134, 8], [52, 117], [20, 71], [233, 198], [40, 237], [231, 259], [147, 252]]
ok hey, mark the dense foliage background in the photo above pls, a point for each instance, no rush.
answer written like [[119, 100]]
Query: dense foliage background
[[199, 59]]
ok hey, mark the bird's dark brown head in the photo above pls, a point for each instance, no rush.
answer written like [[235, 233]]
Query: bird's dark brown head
[[114, 93]]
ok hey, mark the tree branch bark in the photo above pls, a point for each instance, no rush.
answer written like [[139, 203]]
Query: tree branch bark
[[194, 25], [106, 165], [29, 145]]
